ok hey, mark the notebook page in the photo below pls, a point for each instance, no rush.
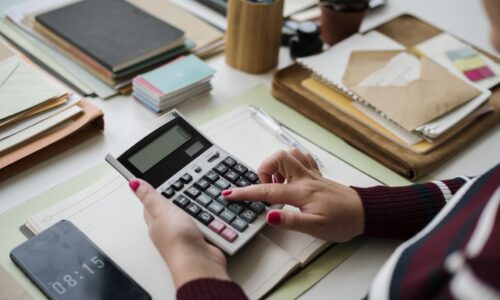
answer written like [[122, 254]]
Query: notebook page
[[332, 63], [227, 131]]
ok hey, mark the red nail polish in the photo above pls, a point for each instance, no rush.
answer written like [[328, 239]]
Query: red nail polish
[[274, 217], [134, 184], [226, 192]]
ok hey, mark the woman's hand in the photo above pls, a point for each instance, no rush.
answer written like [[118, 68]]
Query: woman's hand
[[328, 210], [177, 238]]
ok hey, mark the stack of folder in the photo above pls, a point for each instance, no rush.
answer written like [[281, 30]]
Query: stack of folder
[[36, 110], [173, 83]]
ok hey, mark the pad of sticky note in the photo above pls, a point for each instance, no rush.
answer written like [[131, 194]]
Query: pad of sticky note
[[468, 61]]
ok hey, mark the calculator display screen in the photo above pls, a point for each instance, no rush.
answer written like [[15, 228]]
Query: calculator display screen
[[159, 148]]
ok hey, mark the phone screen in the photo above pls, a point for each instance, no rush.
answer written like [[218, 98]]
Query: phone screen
[[65, 264]]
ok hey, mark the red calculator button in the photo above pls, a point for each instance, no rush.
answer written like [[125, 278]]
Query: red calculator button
[[229, 234], [217, 226]]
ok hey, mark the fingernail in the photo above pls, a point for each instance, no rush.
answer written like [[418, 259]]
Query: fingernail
[[274, 217], [134, 184], [226, 192]]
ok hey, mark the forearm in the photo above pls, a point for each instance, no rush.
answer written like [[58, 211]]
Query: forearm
[[400, 212]]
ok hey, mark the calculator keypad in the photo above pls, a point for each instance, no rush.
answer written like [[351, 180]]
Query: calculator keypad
[[203, 200]]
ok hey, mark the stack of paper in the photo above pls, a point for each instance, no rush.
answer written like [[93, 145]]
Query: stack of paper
[[408, 98], [169, 85]]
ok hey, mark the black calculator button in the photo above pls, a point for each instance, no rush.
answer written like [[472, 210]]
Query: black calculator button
[[221, 168], [177, 185], [211, 176], [192, 209], [198, 169], [168, 192], [239, 224], [227, 216], [257, 207], [213, 192], [181, 201], [202, 184], [240, 169], [252, 176], [248, 215], [215, 207], [214, 157], [243, 182], [222, 184], [192, 192], [186, 178], [230, 162], [235, 207], [222, 200], [204, 217], [203, 199], [232, 176]]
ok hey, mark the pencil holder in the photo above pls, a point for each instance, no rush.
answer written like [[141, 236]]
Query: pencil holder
[[253, 35]]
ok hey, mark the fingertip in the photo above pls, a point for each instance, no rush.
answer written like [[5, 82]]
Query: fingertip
[[134, 184], [227, 192]]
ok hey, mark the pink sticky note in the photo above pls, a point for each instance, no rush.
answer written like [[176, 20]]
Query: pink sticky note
[[486, 72], [474, 75]]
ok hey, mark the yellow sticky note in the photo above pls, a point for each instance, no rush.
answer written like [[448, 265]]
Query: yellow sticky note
[[471, 63]]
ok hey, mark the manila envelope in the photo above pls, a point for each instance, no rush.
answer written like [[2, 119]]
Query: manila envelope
[[435, 93]]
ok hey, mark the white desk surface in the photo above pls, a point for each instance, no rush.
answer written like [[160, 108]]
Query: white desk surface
[[464, 18]]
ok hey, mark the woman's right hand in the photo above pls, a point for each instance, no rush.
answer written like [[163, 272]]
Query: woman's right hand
[[328, 210]]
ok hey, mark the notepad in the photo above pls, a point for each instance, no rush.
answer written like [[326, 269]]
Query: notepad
[[111, 216]]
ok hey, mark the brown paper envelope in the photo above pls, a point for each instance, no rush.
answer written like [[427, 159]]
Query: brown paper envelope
[[434, 94]]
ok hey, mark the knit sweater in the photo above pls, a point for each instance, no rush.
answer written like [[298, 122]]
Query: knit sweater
[[452, 233]]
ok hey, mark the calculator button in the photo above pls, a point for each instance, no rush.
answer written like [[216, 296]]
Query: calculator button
[[248, 215], [198, 169], [186, 178], [252, 176], [177, 185], [243, 182], [222, 183], [235, 207], [266, 203], [181, 201], [204, 217], [222, 201], [202, 184], [221, 168], [168, 192], [216, 226], [214, 157], [192, 192], [257, 207], [229, 234], [204, 199], [232, 175], [227, 216], [240, 169], [230, 162], [215, 207], [211, 176], [239, 224], [192, 209], [213, 192]]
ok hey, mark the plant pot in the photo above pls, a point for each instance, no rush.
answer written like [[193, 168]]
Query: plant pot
[[336, 26]]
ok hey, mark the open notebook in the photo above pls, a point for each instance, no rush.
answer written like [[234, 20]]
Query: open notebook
[[110, 215]]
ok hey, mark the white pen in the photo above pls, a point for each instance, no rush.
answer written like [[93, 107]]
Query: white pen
[[268, 122]]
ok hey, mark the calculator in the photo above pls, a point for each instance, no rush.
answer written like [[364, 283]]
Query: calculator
[[191, 171]]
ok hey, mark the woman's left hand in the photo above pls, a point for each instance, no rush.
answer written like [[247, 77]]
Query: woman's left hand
[[178, 239]]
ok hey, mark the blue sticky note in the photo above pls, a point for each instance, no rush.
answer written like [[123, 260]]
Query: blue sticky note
[[461, 53], [178, 74]]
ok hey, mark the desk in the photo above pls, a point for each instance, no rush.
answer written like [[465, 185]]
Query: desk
[[123, 114]]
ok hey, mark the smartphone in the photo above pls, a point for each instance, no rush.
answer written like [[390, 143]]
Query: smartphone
[[65, 264]]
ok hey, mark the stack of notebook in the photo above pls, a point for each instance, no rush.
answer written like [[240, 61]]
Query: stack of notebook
[[173, 83], [112, 39], [415, 97], [36, 110]]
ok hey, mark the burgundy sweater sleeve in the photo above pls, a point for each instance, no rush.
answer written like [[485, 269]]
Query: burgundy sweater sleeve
[[400, 212], [210, 289]]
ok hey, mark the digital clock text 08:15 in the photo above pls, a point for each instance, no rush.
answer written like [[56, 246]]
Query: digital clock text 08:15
[[68, 281]]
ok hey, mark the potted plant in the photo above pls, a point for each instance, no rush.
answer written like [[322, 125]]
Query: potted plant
[[341, 18]]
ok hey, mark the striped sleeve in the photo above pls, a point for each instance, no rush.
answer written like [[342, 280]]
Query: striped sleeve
[[210, 289], [400, 212]]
